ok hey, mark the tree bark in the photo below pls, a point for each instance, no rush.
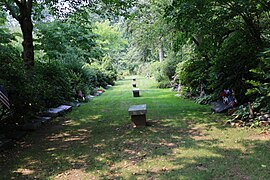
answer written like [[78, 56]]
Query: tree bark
[[28, 47], [25, 21], [161, 53]]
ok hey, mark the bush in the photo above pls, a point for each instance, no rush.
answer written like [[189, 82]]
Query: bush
[[170, 64], [13, 78], [232, 64], [206, 99], [164, 84], [44, 86], [192, 73], [83, 78], [53, 83], [157, 71]]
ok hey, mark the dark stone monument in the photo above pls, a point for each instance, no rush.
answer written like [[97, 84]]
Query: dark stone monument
[[136, 92]]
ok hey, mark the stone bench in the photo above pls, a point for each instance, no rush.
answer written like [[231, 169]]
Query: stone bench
[[138, 114], [136, 92]]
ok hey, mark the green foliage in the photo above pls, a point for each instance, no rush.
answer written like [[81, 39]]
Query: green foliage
[[206, 99], [230, 68], [164, 83], [156, 71], [112, 44], [44, 86], [149, 31], [85, 78], [260, 91], [161, 72], [52, 84], [13, 77], [170, 64], [77, 77], [67, 39], [242, 112], [192, 72], [106, 72], [109, 38], [227, 34]]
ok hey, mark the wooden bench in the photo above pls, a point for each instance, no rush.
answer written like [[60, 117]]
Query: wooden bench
[[138, 114], [136, 92]]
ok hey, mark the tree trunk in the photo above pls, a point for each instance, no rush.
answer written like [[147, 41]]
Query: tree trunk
[[197, 39], [28, 47], [161, 53], [25, 21]]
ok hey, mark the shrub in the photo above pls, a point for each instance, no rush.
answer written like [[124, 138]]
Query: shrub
[[82, 77], [206, 99], [13, 78], [53, 84], [170, 64], [156, 71], [230, 68], [164, 83], [192, 73]]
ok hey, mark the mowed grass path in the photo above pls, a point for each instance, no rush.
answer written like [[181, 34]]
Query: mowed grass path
[[96, 141]]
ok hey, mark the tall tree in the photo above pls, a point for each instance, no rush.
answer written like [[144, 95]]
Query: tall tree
[[151, 34], [21, 10]]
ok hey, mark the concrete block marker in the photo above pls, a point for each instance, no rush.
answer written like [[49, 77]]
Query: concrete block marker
[[136, 92], [138, 114]]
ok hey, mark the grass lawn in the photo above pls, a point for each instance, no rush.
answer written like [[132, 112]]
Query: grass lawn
[[96, 141]]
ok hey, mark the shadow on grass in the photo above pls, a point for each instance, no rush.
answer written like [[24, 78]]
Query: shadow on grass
[[107, 151], [226, 163], [184, 141]]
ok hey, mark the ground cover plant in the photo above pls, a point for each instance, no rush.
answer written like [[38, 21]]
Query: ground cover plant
[[96, 141]]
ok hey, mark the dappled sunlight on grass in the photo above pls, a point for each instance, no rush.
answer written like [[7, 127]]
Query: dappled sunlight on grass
[[97, 141]]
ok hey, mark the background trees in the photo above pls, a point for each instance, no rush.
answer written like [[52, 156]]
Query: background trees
[[69, 58], [226, 35], [215, 43]]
